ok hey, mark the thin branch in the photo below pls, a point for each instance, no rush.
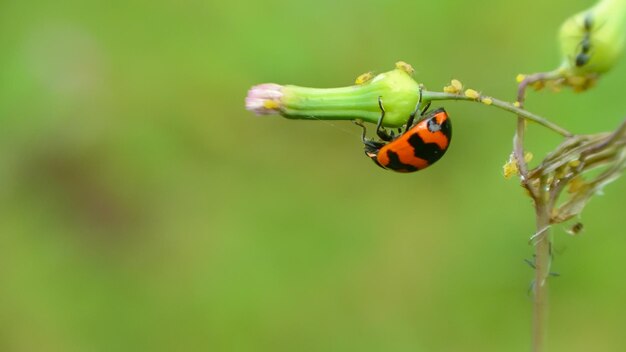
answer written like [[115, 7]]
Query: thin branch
[[542, 271], [428, 95], [619, 134]]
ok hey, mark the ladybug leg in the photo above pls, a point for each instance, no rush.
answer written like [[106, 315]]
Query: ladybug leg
[[382, 134], [417, 110], [409, 122], [371, 147], [360, 123]]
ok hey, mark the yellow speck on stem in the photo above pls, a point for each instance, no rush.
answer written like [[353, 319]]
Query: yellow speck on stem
[[520, 78], [364, 78], [511, 168], [487, 101], [561, 172], [576, 80], [538, 85], [554, 86], [528, 157], [401, 65], [456, 84], [581, 83], [517, 104], [470, 93], [575, 185], [455, 87]]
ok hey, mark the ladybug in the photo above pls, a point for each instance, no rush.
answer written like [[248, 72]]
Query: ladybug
[[421, 145]]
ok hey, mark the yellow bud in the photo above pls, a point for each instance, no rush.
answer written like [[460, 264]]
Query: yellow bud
[[456, 84], [554, 85], [487, 101], [576, 81], [538, 85], [470, 93], [364, 78], [520, 78], [528, 157], [455, 87], [517, 104], [574, 163], [576, 184], [401, 65], [510, 169], [581, 83], [450, 89], [561, 172]]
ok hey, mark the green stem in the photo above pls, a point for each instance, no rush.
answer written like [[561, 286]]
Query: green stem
[[542, 271], [427, 96], [331, 103]]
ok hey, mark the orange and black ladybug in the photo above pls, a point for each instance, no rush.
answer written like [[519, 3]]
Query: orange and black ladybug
[[420, 146]]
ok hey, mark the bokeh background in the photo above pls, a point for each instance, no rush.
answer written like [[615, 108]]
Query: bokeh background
[[143, 209]]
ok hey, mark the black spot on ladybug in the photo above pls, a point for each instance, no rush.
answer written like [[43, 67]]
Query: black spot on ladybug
[[396, 164], [446, 129], [427, 151]]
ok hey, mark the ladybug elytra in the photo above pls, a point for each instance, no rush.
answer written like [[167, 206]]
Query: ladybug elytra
[[420, 145]]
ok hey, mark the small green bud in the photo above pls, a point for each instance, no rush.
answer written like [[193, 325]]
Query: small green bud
[[593, 40], [397, 90]]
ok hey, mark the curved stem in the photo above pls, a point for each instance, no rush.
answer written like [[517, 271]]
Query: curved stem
[[536, 77], [428, 95], [520, 131]]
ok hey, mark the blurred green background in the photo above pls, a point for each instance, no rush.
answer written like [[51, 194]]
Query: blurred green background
[[143, 209]]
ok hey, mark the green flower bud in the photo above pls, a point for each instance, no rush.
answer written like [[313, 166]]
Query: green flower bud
[[592, 40], [398, 92]]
